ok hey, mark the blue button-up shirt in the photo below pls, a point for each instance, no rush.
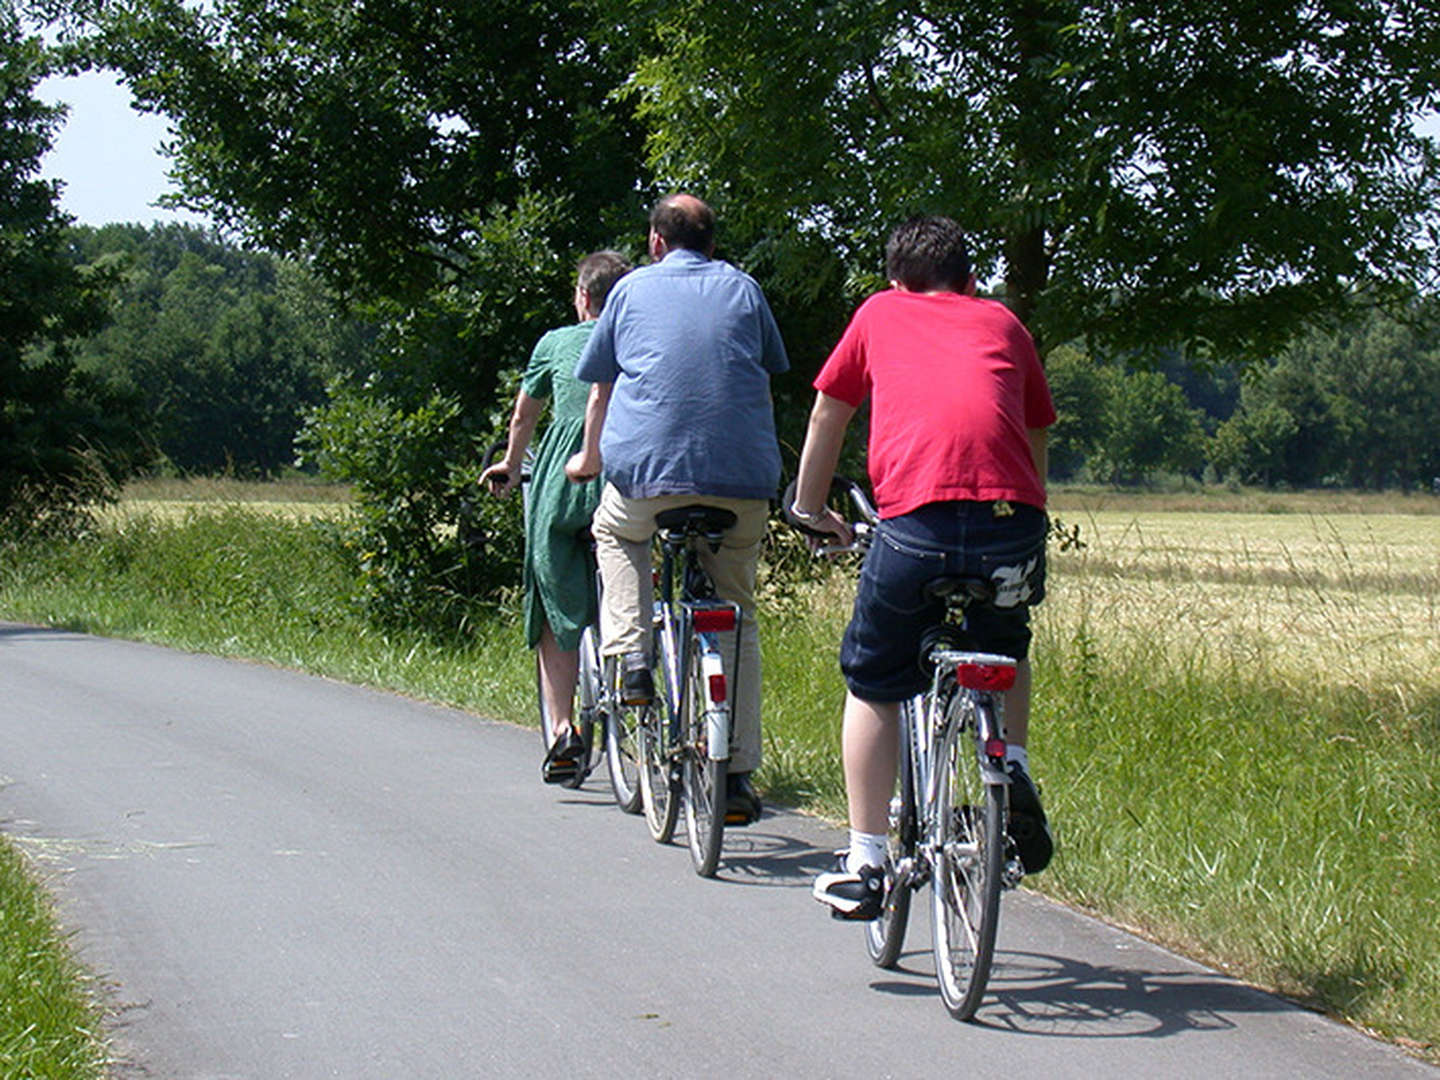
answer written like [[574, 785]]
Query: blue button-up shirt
[[690, 345]]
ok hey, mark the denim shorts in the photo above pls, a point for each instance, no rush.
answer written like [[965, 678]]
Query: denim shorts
[[880, 654]]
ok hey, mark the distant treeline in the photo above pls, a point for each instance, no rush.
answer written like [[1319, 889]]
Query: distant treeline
[[226, 350], [222, 349], [1355, 408]]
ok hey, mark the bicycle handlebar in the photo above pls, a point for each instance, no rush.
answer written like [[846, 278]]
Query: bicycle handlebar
[[861, 528]]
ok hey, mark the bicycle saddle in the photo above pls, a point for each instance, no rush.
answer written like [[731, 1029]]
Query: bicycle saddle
[[695, 519], [960, 587]]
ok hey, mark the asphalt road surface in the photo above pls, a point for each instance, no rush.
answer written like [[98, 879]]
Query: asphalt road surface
[[282, 876]]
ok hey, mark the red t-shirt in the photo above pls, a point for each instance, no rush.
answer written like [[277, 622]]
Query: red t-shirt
[[954, 384]]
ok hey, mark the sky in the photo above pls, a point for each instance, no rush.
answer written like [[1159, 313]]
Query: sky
[[108, 154]]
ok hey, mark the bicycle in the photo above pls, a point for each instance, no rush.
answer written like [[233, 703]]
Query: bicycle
[[606, 727], [684, 736], [949, 817]]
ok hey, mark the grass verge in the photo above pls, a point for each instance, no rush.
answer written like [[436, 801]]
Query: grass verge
[[49, 1027], [1240, 750]]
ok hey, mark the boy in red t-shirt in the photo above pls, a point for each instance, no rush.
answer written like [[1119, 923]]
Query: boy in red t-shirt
[[958, 411]]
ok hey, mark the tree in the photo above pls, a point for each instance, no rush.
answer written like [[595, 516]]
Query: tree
[[1357, 407], [62, 436], [227, 348], [374, 138], [1214, 173], [1081, 391], [1149, 428]]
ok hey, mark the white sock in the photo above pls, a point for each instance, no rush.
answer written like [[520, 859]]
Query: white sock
[[866, 849], [1017, 753]]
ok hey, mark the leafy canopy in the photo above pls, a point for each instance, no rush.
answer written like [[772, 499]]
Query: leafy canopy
[[372, 136], [1215, 173]]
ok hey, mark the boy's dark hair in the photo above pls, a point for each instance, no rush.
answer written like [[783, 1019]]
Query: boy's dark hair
[[928, 252], [684, 223], [596, 276]]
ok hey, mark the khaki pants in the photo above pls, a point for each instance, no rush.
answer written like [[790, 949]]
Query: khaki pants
[[623, 529]]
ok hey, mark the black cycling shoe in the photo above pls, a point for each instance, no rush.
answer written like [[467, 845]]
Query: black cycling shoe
[[562, 761], [637, 685], [742, 805], [1028, 827], [853, 897]]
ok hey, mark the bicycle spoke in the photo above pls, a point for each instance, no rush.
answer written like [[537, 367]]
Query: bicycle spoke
[[965, 892]]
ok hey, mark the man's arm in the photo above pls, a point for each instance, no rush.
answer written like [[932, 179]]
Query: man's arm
[[823, 439], [585, 463]]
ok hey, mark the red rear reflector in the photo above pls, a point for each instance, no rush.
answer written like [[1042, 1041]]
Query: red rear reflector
[[717, 688], [713, 620], [985, 676], [995, 749]]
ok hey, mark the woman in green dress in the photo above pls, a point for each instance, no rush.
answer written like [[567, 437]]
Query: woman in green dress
[[559, 567]]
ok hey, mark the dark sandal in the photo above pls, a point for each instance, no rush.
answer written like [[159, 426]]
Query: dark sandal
[[562, 762]]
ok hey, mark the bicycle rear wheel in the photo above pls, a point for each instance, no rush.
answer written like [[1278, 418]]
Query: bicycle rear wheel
[[885, 936], [703, 778], [965, 889], [588, 698], [621, 748], [655, 739]]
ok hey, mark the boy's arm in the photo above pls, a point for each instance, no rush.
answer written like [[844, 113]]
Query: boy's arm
[[585, 463], [1040, 452], [823, 439]]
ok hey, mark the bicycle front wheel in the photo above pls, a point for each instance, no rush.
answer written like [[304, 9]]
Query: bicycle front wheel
[[654, 738], [885, 936], [965, 888], [704, 777]]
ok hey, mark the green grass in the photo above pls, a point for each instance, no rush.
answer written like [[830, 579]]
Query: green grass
[[49, 1027], [1240, 761]]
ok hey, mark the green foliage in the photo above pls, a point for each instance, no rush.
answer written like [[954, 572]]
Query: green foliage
[[1354, 408], [1149, 427], [63, 435], [409, 434], [1081, 392], [1205, 174], [226, 348], [366, 138]]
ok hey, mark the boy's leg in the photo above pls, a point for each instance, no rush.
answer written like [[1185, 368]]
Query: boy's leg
[[855, 888], [870, 745]]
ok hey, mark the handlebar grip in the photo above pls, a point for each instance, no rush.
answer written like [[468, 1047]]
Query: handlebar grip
[[786, 502]]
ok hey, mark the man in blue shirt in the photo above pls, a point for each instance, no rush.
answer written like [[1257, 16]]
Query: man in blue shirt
[[680, 413]]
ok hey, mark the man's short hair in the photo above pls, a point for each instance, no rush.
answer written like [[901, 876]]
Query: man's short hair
[[596, 276], [684, 223], [927, 253]]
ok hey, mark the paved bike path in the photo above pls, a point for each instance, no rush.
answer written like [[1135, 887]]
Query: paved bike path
[[283, 876]]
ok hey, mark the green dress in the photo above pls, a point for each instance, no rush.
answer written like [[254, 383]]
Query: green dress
[[559, 566]]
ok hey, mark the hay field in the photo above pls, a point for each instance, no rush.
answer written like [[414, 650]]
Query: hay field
[[171, 499], [1344, 599]]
